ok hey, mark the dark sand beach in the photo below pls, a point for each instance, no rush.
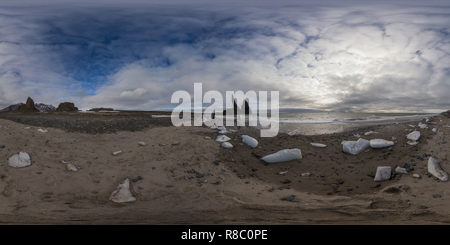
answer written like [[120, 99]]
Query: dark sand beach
[[183, 176]]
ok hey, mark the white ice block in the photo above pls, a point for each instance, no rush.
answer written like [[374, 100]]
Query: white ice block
[[355, 147], [283, 156], [122, 193], [383, 173], [380, 143], [249, 141], [435, 169], [20, 160]]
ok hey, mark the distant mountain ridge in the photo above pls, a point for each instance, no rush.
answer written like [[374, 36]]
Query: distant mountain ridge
[[40, 106]]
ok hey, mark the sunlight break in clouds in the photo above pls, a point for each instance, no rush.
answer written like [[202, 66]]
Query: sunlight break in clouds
[[349, 57]]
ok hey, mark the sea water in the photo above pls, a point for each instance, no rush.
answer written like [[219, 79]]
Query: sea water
[[322, 123], [331, 122]]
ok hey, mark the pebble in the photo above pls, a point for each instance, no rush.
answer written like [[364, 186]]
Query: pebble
[[437, 196], [290, 198]]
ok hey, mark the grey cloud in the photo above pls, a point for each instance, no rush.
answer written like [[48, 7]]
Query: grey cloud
[[320, 56]]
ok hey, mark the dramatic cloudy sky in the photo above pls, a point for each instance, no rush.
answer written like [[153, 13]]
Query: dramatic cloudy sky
[[321, 55]]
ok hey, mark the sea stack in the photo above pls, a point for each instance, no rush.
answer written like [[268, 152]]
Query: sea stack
[[66, 106], [28, 107]]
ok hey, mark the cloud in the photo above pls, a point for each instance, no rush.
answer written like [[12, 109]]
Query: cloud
[[355, 56], [133, 94]]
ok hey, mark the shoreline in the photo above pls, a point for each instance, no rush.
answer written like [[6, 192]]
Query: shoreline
[[180, 177]]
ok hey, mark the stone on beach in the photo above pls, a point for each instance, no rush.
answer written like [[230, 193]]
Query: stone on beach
[[42, 131], [355, 147], [318, 145], [434, 130], [20, 160], [249, 141], [380, 143], [435, 169], [283, 156], [142, 143], [70, 166], [122, 193], [383, 173], [222, 138]]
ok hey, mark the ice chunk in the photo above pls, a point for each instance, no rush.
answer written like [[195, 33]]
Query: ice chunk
[[122, 193], [400, 170], [435, 169], [223, 132], [222, 138], [369, 133], [20, 160], [422, 125], [355, 147], [380, 143], [71, 167], [42, 131], [383, 173], [283, 156], [434, 130], [249, 141], [227, 145], [142, 143], [318, 145], [116, 153], [413, 137]]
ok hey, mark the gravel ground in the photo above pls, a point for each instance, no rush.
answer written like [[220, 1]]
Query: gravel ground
[[92, 123]]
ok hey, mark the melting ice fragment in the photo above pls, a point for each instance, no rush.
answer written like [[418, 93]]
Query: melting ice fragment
[[283, 156]]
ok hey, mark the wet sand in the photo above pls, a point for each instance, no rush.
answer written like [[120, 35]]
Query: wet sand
[[180, 177]]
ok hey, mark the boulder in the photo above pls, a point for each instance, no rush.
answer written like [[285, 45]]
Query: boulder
[[28, 107], [66, 106]]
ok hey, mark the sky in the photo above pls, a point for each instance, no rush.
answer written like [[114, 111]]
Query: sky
[[343, 56]]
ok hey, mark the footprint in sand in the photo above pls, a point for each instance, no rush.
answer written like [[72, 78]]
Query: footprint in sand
[[10, 189]]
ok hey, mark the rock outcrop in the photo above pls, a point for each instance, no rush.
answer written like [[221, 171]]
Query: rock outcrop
[[28, 107], [66, 106]]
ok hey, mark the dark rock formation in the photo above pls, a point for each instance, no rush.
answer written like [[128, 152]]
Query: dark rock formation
[[66, 106], [10, 108], [101, 109], [28, 107], [235, 109], [446, 113]]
